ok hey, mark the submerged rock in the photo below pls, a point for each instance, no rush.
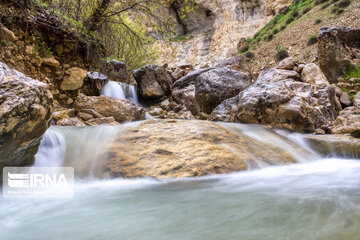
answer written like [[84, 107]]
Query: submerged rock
[[25, 113], [169, 148], [335, 145], [121, 110]]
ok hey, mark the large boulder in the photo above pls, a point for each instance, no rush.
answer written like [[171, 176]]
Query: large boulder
[[183, 90], [25, 113], [279, 100], [338, 49], [74, 79], [348, 121], [169, 148], [121, 110], [117, 72], [94, 84], [312, 74], [153, 81], [216, 85]]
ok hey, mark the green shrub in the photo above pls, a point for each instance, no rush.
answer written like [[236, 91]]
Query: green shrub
[[290, 20], [344, 4], [282, 27], [269, 37], [306, 10], [352, 72], [281, 54], [275, 31], [42, 49], [312, 40], [250, 55], [318, 2], [337, 11], [325, 6], [318, 21], [295, 14]]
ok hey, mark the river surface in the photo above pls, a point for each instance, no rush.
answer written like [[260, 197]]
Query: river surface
[[317, 199]]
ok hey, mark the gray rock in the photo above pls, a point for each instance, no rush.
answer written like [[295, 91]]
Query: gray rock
[[347, 122], [357, 100], [312, 74], [345, 99], [216, 85], [287, 64], [25, 112], [117, 71], [121, 110], [338, 49], [94, 84], [153, 82]]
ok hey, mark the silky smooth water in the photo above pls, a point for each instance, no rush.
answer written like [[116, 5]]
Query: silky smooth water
[[121, 91], [315, 199]]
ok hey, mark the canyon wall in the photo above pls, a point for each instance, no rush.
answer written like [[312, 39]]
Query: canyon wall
[[211, 32]]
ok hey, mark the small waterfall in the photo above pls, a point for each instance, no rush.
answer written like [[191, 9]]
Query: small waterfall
[[121, 91]]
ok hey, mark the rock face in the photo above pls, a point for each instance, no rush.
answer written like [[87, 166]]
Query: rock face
[[153, 82], [169, 148], [338, 49], [348, 121], [94, 83], [216, 27], [216, 85], [74, 79], [279, 100], [121, 110], [25, 113]]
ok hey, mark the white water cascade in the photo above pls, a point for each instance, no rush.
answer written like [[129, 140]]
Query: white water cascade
[[316, 199], [121, 91]]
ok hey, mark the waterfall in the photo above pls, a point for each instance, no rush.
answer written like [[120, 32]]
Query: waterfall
[[121, 91]]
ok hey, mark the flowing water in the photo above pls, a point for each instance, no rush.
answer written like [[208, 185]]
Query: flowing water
[[121, 91], [318, 198]]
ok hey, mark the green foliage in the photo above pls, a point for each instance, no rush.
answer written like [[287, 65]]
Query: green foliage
[[280, 21], [42, 49], [118, 27], [280, 48], [353, 72], [318, 21], [353, 89], [312, 40]]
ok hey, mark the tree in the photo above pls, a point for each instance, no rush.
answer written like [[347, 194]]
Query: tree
[[122, 26]]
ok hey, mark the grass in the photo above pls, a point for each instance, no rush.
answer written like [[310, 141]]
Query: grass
[[42, 49], [353, 72], [281, 21], [318, 21], [313, 39], [282, 53]]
